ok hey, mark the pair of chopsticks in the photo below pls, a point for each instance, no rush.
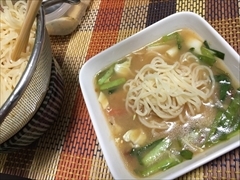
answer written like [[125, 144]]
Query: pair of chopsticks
[[23, 38]]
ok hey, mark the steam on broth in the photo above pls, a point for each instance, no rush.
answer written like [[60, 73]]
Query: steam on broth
[[168, 101]]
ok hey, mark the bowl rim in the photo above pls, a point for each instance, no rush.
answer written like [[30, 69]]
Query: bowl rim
[[119, 170]]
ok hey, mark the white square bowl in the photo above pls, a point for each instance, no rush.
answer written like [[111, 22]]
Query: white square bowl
[[138, 40]]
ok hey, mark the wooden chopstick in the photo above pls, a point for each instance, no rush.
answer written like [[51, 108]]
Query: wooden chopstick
[[28, 4], [23, 38]]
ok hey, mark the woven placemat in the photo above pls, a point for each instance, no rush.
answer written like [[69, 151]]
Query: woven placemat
[[70, 149]]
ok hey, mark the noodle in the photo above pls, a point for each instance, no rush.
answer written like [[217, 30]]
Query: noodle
[[12, 16], [164, 90]]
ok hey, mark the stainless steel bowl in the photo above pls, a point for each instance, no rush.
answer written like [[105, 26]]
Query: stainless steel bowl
[[32, 91], [27, 96]]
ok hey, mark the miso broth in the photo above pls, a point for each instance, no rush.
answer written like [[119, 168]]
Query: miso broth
[[170, 97]]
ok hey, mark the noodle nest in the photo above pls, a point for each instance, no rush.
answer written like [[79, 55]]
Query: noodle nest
[[166, 90]]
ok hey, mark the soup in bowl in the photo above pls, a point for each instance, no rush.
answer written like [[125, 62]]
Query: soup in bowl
[[166, 100]]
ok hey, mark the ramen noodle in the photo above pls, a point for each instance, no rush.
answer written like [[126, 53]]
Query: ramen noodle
[[12, 15]]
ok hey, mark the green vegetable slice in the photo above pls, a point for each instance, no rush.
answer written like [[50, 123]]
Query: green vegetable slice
[[217, 53], [204, 59], [169, 37], [150, 153], [174, 36], [154, 154], [106, 75], [207, 52], [225, 122], [225, 85], [138, 152], [164, 164], [112, 84], [179, 41], [205, 43], [158, 156], [186, 154]]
